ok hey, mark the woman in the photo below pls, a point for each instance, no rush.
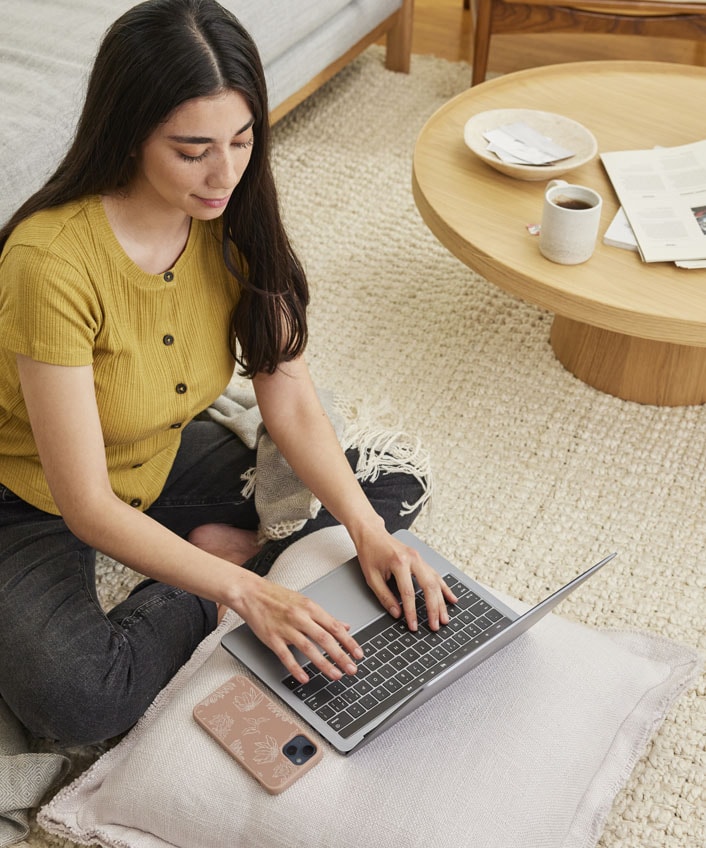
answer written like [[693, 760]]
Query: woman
[[151, 262]]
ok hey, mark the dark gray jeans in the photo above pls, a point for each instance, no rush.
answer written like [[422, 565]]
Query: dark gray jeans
[[73, 673]]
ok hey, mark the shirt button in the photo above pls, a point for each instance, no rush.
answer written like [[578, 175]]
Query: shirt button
[[180, 388], [175, 426], [168, 277], [136, 502], [168, 339]]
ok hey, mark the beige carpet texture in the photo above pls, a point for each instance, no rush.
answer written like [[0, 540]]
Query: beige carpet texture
[[536, 475]]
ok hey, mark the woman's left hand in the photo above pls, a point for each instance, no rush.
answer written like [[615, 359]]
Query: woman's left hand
[[293, 416], [384, 558]]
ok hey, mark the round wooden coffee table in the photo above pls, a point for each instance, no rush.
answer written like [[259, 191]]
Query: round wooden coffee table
[[629, 328]]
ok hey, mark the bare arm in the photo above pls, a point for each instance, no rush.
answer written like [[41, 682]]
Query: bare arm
[[63, 412], [299, 426]]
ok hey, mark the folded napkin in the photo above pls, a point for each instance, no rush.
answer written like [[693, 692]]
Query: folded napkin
[[25, 778]]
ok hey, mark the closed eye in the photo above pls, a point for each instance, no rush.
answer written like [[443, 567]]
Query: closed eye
[[241, 145], [194, 158]]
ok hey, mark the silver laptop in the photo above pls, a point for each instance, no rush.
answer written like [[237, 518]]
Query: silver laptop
[[401, 669]]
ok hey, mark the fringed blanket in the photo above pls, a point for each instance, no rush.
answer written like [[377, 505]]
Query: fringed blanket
[[282, 501]]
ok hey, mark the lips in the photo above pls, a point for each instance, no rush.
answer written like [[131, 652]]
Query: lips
[[214, 202]]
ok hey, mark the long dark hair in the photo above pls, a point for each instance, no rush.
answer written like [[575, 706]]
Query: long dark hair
[[155, 57]]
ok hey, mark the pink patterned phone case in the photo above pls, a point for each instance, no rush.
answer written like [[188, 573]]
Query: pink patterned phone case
[[258, 733]]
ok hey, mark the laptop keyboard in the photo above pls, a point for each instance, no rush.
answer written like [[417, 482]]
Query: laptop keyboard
[[397, 661]]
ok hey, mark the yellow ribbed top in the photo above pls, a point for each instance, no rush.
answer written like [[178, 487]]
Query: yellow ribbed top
[[158, 343]]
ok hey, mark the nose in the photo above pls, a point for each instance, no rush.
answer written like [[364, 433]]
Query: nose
[[223, 173]]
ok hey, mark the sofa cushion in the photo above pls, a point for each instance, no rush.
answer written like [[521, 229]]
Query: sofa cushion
[[293, 69], [276, 27]]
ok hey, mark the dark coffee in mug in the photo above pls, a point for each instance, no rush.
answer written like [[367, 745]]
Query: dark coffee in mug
[[573, 203]]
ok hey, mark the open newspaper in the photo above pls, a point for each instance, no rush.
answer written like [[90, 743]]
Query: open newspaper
[[663, 194]]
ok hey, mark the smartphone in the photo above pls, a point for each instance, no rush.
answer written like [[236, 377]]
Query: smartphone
[[258, 733]]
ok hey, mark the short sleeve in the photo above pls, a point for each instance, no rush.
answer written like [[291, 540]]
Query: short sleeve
[[49, 311]]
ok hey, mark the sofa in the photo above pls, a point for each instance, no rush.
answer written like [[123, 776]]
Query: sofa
[[47, 47]]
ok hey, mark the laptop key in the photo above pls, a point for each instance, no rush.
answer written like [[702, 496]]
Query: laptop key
[[480, 607], [319, 699], [357, 710], [326, 712], [362, 688], [350, 696], [376, 679], [452, 645], [368, 702], [393, 685], [396, 647], [341, 721], [363, 670], [385, 655], [338, 704], [378, 642], [306, 690], [374, 663], [398, 663], [444, 633]]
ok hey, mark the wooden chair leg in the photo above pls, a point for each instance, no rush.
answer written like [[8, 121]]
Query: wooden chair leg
[[481, 40]]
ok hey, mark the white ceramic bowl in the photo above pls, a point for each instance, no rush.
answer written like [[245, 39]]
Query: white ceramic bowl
[[563, 131]]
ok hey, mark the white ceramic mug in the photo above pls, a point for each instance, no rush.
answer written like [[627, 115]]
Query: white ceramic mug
[[570, 221]]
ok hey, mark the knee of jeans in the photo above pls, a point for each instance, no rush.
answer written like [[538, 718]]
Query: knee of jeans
[[86, 697], [81, 714]]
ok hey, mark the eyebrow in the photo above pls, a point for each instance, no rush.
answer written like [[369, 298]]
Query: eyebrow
[[199, 139]]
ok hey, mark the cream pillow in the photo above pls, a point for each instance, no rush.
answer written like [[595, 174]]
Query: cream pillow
[[529, 749]]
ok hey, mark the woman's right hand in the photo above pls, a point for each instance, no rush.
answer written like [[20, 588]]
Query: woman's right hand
[[282, 619]]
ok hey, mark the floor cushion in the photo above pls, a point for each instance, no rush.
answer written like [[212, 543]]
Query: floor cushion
[[530, 748]]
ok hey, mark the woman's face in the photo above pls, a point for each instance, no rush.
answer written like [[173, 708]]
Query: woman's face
[[192, 162]]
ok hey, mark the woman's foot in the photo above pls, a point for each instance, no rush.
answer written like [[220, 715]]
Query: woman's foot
[[226, 542]]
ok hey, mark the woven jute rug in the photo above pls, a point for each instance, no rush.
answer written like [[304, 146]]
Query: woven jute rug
[[536, 474]]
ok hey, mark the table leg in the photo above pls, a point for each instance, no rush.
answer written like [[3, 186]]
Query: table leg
[[631, 368]]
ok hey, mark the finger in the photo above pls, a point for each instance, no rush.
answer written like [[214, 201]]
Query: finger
[[286, 657], [383, 593], [337, 645], [405, 587], [437, 613], [436, 593], [349, 644]]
